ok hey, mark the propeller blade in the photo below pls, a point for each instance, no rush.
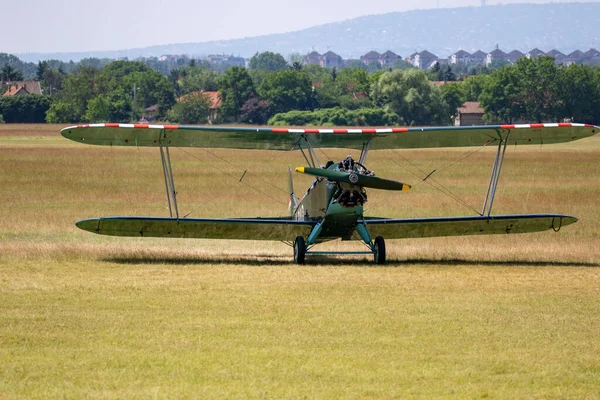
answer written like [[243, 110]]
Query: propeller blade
[[354, 178]]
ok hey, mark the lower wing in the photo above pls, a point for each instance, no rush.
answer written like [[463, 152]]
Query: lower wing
[[279, 229], [461, 226]]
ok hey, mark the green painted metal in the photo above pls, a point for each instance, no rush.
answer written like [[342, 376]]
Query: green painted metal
[[363, 232], [245, 229], [281, 139], [314, 234], [359, 179], [463, 226], [340, 253]]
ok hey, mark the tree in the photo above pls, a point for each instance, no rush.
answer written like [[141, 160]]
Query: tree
[[255, 111], [538, 88], [500, 96], [41, 68], [412, 96], [473, 86], [268, 61], [194, 109], [197, 79], [287, 90], [78, 89], [579, 89], [10, 74], [235, 87], [453, 95], [24, 109]]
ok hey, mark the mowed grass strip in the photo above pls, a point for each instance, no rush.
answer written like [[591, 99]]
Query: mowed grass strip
[[83, 315]]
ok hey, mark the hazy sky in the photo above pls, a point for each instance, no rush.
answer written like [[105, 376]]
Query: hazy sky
[[83, 25]]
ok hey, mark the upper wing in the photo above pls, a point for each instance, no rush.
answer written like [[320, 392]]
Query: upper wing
[[285, 138], [461, 226], [278, 229]]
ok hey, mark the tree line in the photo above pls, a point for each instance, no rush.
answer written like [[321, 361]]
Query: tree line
[[273, 91]]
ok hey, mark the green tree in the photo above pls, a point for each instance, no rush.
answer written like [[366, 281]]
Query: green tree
[[255, 111], [195, 109], [412, 96], [78, 89], [453, 95], [268, 61], [500, 97], [579, 89], [473, 86], [10, 74], [235, 87], [24, 109], [197, 79], [538, 88], [287, 90]]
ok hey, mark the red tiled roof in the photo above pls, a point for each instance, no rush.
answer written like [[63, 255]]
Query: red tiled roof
[[31, 87], [213, 97], [471, 107]]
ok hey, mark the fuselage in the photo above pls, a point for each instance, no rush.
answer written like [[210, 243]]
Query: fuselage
[[338, 205]]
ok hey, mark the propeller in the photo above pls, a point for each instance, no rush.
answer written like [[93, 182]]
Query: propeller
[[354, 178]]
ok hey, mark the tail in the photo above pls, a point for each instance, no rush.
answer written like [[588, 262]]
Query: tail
[[293, 203]]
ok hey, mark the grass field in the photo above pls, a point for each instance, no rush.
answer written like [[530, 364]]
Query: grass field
[[83, 315]]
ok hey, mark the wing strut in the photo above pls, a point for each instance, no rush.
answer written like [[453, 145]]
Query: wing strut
[[495, 177], [168, 174]]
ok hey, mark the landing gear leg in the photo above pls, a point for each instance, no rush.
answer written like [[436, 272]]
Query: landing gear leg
[[379, 250], [300, 250]]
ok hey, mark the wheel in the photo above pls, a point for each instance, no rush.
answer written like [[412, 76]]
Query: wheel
[[299, 250], [379, 250]]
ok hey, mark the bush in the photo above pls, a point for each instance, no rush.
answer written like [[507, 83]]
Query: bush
[[1, 119], [338, 117], [24, 109]]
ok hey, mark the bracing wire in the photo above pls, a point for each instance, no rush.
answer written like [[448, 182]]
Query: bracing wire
[[233, 176], [433, 182]]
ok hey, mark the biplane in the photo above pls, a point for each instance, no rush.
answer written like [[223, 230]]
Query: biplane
[[332, 208]]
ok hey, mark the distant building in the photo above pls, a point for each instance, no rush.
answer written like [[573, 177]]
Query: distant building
[[312, 58], [370, 57], [229, 60], [331, 60], [23, 88], [469, 114], [496, 55], [389, 58], [514, 55], [424, 60], [411, 58], [557, 55], [479, 57], [535, 53], [461, 57], [150, 113]]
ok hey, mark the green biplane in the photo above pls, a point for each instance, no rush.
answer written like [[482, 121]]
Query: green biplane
[[332, 207]]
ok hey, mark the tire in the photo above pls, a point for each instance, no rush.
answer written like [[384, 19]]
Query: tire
[[379, 250], [299, 250]]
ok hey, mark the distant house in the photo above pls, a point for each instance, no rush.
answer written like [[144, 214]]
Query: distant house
[[469, 114], [389, 58], [496, 55], [437, 61], [557, 55], [331, 60], [514, 55], [461, 57], [535, 53], [23, 88], [478, 57], [223, 59], [591, 53], [312, 58], [370, 57], [576, 57], [150, 113], [214, 101], [424, 59]]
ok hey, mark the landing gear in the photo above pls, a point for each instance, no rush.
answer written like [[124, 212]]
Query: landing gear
[[379, 250], [300, 250]]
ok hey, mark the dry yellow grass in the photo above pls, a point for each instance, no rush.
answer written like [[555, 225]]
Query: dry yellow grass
[[89, 316]]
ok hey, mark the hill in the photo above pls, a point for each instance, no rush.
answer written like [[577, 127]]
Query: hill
[[564, 26]]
